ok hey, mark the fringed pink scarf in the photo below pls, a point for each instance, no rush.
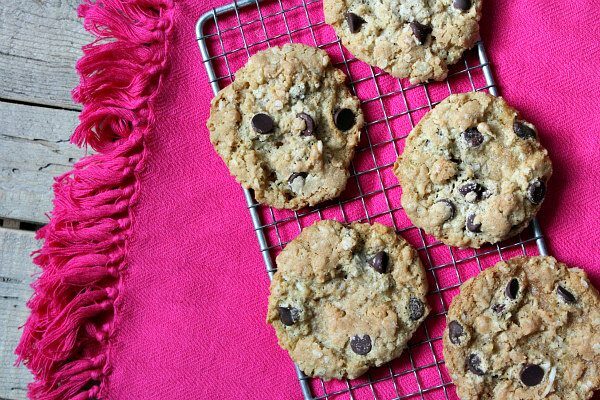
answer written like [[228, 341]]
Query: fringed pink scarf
[[66, 341]]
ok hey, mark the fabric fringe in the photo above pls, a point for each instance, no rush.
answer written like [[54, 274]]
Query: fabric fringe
[[66, 340]]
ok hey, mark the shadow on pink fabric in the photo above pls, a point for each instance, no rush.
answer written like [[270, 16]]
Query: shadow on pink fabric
[[153, 285]]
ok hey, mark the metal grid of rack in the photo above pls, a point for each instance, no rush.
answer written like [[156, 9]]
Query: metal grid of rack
[[227, 37]]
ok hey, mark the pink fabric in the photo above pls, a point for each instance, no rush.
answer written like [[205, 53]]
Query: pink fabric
[[195, 298], [192, 303]]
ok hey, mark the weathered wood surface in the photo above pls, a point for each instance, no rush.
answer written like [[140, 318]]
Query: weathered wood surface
[[34, 148], [40, 42], [15, 276]]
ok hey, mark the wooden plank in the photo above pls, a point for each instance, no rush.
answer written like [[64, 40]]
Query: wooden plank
[[16, 270], [34, 147], [40, 41]]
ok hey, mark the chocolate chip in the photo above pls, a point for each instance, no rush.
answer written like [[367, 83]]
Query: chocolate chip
[[471, 225], [416, 309], [512, 289], [498, 308], [379, 262], [474, 364], [536, 191], [468, 187], [354, 22], [566, 295], [462, 5], [296, 175], [473, 137], [361, 345], [420, 31], [532, 375], [262, 123], [309, 123], [288, 315], [455, 332], [450, 206], [344, 119], [472, 191], [522, 130]]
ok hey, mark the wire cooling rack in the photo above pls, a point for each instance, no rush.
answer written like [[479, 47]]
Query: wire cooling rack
[[227, 37]]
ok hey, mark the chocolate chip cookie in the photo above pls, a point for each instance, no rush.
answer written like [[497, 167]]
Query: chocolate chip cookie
[[528, 328], [414, 39], [346, 297], [287, 126], [473, 171]]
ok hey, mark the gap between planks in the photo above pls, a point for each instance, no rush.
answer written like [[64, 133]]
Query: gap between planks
[[34, 148]]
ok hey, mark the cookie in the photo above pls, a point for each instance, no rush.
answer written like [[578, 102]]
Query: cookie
[[472, 171], [414, 39], [287, 126], [528, 328], [346, 297]]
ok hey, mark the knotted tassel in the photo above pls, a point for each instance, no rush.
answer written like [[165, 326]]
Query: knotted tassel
[[65, 339]]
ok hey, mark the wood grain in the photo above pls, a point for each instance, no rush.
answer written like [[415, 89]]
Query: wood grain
[[40, 41], [34, 147], [16, 269]]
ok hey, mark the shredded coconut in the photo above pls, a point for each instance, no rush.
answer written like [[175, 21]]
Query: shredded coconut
[[550, 385], [347, 243]]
